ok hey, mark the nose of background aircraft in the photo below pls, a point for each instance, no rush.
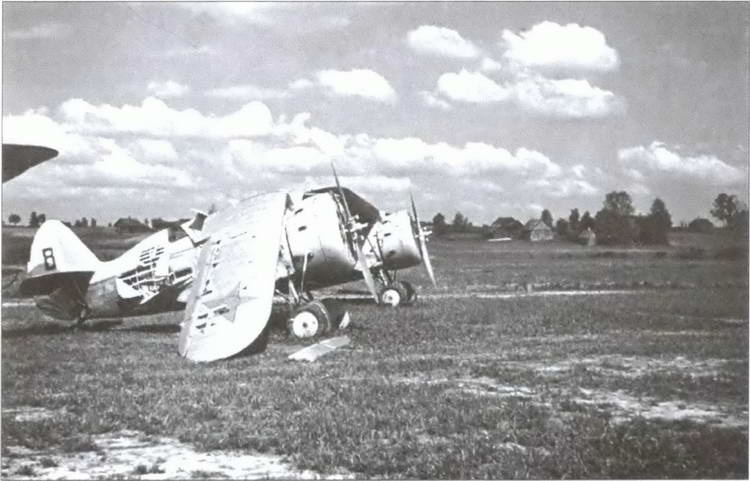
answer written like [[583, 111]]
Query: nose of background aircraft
[[399, 247]]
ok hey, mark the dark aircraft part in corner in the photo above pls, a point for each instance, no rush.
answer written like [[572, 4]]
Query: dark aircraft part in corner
[[17, 159]]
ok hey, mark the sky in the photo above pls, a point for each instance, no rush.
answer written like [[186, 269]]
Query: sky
[[488, 109]]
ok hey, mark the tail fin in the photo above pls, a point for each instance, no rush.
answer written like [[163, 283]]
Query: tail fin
[[57, 256]]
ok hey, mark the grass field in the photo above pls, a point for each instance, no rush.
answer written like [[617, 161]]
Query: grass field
[[648, 380]]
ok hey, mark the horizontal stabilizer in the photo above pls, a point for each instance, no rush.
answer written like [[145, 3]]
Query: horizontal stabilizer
[[44, 284]]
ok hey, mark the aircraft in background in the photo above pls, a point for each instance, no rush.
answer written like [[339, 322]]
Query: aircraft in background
[[228, 269]]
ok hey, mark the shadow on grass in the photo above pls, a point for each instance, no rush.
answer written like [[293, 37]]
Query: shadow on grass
[[48, 329], [153, 328]]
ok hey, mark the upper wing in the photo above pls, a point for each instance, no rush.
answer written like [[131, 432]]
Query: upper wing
[[230, 300], [17, 159]]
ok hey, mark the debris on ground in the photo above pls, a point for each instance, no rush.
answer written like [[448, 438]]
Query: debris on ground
[[311, 353]]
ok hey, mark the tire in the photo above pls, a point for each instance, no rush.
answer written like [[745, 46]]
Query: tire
[[411, 293], [309, 320], [393, 295]]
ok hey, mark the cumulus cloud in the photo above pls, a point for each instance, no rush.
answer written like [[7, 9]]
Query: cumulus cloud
[[472, 87], [658, 158], [410, 154], [490, 65], [441, 41], [155, 118], [247, 92], [432, 100], [157, 150], [525, 68], [564, 98], [152, 149], [357, 83], [167, 89], [551, 45], [567, 98], [564, 187]]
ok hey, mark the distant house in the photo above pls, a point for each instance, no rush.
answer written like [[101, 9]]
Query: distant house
[[700, 225], [506, 227], [130, 226], [536, 230]]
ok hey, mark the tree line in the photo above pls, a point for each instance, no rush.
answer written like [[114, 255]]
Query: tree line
[[616, 223], [37, 219]]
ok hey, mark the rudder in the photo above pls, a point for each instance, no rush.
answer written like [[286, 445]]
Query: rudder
[[56, 254]]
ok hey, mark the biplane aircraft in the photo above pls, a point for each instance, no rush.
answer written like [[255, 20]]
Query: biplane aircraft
[[229, 268]]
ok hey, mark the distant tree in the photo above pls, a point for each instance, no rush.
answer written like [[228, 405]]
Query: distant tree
[[145, 222], [614, 224], [41, 218], [212, 209], [725, 208], [656, 225], [587, 222], [14, 219], [460, 223], [547, 218], [93, 222], [439, 227], [619, 203], [614, 229], [562, 227], [574, 221], [84, 222], [77, 223], [660, 213], [33, 219]]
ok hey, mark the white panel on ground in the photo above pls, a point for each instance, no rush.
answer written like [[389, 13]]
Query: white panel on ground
[[311, 353]]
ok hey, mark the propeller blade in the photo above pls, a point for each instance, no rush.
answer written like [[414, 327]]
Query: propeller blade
[[343, 197], [426, 258], [422, 243], [361, 261]]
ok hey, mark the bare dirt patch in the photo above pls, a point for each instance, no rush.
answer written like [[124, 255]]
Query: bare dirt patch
[[624, 407], [634, 366], [131, 454]]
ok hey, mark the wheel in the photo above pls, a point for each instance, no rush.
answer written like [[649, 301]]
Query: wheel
[[309, 320], [393, 295], [411, 293]]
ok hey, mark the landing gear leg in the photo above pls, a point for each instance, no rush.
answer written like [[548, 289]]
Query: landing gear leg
[[83, 314], [395, 293]]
